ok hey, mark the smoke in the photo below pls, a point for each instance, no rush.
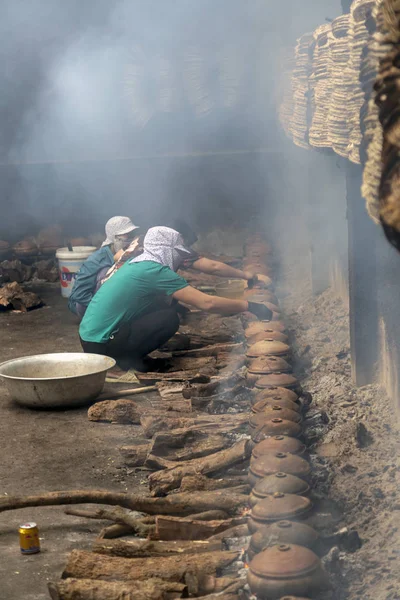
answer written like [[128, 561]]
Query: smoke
[[120, 108]]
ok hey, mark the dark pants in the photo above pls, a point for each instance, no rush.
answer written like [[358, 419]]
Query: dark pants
[[139, 337]]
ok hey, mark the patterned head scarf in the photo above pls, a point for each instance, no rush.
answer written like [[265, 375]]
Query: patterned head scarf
[[117, 226], [165, 246]]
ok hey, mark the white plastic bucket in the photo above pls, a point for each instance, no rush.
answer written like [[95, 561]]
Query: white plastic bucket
[[69, 264]]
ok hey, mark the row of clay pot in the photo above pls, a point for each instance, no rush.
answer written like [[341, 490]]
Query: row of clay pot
[[283, 564]]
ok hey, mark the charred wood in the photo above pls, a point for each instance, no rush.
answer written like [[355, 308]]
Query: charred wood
[[145, 548], [176, 504], [88, 565], [91, 589], [218, 423], [169, 479], [179, 528]]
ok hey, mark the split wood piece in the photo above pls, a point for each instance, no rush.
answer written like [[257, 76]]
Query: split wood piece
[[135, 456], [169, 479], [234, 532], [179, 528], [14, 296], [213, 350], [145, 548], [176, 504], [129, 392], [119, 515], [217, 384], [185, 445], [216, 585], [129, 412], [170, 390], [192, 375], [116, 530], [200, 482], [88, 565], [110, 532], [92, 589], [219, 423]]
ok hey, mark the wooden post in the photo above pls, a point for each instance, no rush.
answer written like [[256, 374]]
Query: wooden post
[[363, 284]]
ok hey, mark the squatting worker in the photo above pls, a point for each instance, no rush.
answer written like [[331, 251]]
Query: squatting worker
[[120, 233], [128, 317]]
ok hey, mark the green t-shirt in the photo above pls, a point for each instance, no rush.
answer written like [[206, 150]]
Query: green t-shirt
[[128, 294]]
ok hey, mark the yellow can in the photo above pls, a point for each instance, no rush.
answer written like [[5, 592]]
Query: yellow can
[[29, 538]]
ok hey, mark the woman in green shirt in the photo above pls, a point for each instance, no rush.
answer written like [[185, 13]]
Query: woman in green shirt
[[133, 312]]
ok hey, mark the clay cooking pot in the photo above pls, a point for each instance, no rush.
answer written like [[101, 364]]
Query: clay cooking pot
[[284, 380], [286, 569], [279, 443], [279, 394], [282, 532], [278, 507], [277, 462], [278, 482], [262, 427], [268, 347]]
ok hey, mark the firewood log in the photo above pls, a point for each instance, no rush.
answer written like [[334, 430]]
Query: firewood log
[[144, 548], [180, 528], [219, 423], [126, 411], [91, 589], [88, 565], [216, 385], [200, 482], [193, 375], [234, 532], [170, 478], [175, 504], [180, 445], [135, 456], [120, 515]]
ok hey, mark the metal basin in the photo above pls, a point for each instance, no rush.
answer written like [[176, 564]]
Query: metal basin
[[58, 380]]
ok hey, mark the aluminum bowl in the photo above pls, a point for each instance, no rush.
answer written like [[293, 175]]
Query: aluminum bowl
[[57, 380]]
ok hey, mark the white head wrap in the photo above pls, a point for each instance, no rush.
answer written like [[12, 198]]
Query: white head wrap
[[165, 246], [117, 226]]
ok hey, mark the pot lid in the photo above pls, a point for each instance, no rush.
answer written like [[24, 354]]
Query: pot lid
[[277, 393], [257, 326], [268, 334], [276, 411], [266, 427], [279, 462], [277, 379], [280, 482], [279, 506], [272, 401], [268, 346], [278, 443], [283, 532], [268, 364], [259, 295], [284, 561]]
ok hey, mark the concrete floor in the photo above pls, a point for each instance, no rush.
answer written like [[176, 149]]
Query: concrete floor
[[48, 451]]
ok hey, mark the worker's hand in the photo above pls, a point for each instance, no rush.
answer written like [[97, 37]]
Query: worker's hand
[[252, 279], [260, 311]]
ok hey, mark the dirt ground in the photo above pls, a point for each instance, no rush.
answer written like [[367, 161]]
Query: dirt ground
[[354, 435], [45, 451], [355, 451]]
